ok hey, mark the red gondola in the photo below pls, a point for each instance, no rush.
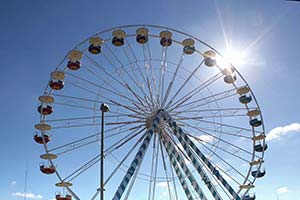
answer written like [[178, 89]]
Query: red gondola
[[45, 110], [73, 65], [67, 197], [47, 170], [56, 84], [39, 139]]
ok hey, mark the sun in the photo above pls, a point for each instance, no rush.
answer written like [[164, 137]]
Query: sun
[[236, 57], [233, 57]]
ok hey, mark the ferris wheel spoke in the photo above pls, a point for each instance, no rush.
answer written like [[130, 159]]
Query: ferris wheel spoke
[[82, 169], [137, 97], [124, 122], [173, 152], [92, 117], [122, 141], [146, 60], [152, 72], [129, 51], [131, 63], [219, 131], [211, 110], [135, 60], [225, 93], [184, 83], [171, 106], [210, 116], [102, 69], [124, 158], [76, 98], [78, 86], [172, 81], [122, 83], [150, 94], [162, 74], [73, 105], [77, 147], [222, 140], [113, 54], [134, 80], [223, 160], [197, 105], [230, 126], [73, 143], [77, 143], [104, 88], [128, 108]]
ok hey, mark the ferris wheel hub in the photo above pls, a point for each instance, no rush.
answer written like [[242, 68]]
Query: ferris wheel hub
[[152, 117]]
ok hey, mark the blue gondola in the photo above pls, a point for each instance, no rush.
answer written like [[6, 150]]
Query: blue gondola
[[165, 42], [94, 49], [258, 174], [230, 79], [248, 197], [245, 99], [255, 122], [142, 39], [260, 147], [189, 50], [117, 41], [210, 62]]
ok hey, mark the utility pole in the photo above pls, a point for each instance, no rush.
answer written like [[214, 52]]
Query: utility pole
[[25, 186], [104, 108]]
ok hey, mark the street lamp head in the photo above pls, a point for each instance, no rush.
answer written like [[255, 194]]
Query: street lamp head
[[104, 107]]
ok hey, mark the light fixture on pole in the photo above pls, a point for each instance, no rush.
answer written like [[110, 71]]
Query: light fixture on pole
[[104, 108]]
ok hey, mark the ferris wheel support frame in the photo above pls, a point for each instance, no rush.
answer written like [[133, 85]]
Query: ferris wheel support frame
[[188, 146], [174, 154]]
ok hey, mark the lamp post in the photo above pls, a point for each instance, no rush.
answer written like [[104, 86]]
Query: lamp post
[[104, 108]]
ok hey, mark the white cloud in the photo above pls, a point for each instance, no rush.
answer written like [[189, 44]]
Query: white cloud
[[205, 138], [28, 195], [162, 184], [13, 183], [278, 132], [282, 190]]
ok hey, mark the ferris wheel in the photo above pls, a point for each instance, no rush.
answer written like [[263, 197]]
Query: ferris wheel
[[180, 122]]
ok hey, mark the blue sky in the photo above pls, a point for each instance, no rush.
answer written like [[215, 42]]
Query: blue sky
[[35, 36]]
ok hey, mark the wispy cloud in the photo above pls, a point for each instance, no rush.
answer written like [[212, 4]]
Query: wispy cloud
[[13, 183], [204, 138], [162, 184], [282, 190], [278, 132], [28, 195]]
